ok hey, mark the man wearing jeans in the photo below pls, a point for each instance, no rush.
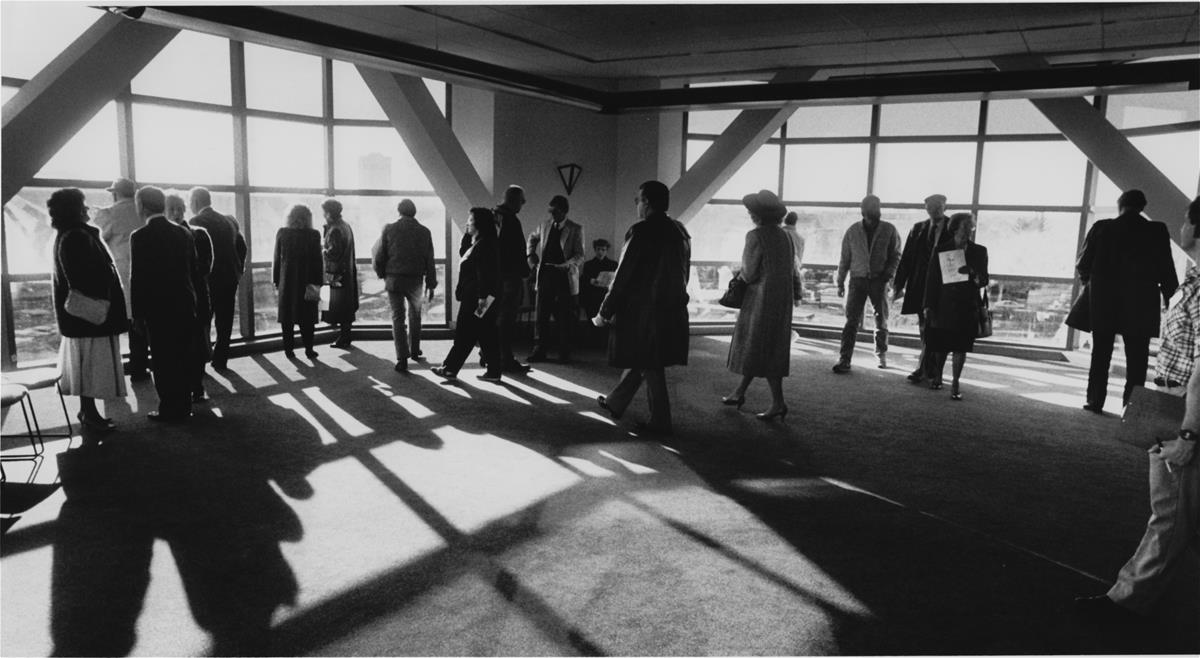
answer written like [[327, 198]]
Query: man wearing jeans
[[403, 257], [870, 255]]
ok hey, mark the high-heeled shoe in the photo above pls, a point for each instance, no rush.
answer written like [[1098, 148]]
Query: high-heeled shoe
[[730, 401], [99, 424], [772, 415]]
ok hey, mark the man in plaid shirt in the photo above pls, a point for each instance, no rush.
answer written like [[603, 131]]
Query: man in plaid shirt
[[1174, 469]]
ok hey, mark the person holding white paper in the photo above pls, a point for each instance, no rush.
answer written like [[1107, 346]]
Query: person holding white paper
[[952, 300], [476, 291]]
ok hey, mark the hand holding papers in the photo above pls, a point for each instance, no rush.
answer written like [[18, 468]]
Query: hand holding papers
[[605, 279], [951, 262], [484, 305]]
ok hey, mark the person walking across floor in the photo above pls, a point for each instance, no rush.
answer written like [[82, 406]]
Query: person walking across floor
[[646, 308], [89, 356], [476, 290], [952, 307], [297, 272], [341, 272], [558, 250], [1174, 471], [163, 275], [199, 352], [762, 337], [116, 223], [922, 242], [870, 256], [1128, 276], [403, 258], [229, 262], [514, 269]]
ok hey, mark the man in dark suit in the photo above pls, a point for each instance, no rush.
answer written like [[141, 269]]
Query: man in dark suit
[[229, 259], [647, 308], [1127, 269], [922, 242], [514, 268], [164, 301], [559, 253]]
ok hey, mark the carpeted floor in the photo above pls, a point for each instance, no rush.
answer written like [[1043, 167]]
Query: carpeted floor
[[338, 508]]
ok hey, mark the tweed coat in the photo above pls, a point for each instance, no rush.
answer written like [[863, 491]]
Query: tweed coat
[[83, 262], [647, 302], [1127, 267], [340, 268], [914, 265], [762, 337], [297, 263]]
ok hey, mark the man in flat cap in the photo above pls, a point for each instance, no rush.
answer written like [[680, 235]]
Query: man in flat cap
[[922, 242], [116, 223]]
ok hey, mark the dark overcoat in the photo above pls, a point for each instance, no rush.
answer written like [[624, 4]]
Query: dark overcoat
[[956, 306], [342, 272], [297, 263], [228, 247], [647, 302], [1128, 272], [83, 262], [163, 273], [914, 265]]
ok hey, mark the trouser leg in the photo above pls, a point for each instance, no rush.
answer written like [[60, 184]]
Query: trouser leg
[[1102, 347], [416, 302], [224, 301], [489, 342], [656, 396], [289, 336], [856, 298], [466, 334], [396, 299], [1174, 523], [877, 292], [170, 347], [1137, 359], [620, 397], [920, 371], [506, 318], [139, 350], [306, 334]]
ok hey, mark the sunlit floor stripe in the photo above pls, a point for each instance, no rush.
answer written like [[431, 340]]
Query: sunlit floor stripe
[[221, 379], [986, 536], [442, 384], [636, 469], [288, 401], [349, 424], [563, 384], [418, 410], [595, 416], [516, 383], [470, 378], [586, 467]]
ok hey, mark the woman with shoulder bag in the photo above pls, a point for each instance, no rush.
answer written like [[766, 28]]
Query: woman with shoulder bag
[[297, 272], [952, 310], [89, 305]]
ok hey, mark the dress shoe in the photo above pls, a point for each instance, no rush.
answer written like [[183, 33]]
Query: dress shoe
[[341, 344], [603, 402], [1094, 408], [310, 353], [493, 377], [780, 413], [96, 424], [200, 396], [289, 354], [916, 377], [731, 401], [401, 367], [444, 372], [1103, 609], [841, 367], [881, 361], [517, 367], [536, 356], [220, 365], [417, 356], [168, 418]]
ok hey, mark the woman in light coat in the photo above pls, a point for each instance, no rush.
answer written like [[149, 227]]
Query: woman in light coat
[[762, 337]]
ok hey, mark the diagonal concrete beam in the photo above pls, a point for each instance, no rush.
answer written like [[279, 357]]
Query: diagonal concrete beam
[[49, 109], [411, 109], [736, 145], [1109, 150]]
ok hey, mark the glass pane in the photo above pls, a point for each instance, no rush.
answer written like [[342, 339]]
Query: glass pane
[[907, 173], [719, 232], [710, 122], [839, 121], [1017, 116], [285, 154], [823, 229], [706, 284], [1029, 312], [266, 306], [268, 214], [193, 66], [92, 153], [282, 80], [951, 118], [182, 147], [1136, 110], [376, 159], [6, 93], [352, 99], [367, 215], [27, 228], [825, 172], [34, 326], [695, 149], [1177, 155], [1031, 173], [34, 33], [373, 303], [438, 89], [1029, 243], [761, 172]]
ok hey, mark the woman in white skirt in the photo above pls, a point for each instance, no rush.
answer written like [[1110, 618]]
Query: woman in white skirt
[[90, 307]]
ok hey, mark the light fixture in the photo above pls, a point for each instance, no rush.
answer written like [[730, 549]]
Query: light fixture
[[569, 175], [132, 13]]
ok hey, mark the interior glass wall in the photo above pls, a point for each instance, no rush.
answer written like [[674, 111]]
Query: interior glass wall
[[1034, 194], [312, 130]]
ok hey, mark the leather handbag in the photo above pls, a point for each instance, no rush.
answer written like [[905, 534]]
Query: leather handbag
[[312, 293], [735, 294], [985, 318], [90, 309], [1150, 417]]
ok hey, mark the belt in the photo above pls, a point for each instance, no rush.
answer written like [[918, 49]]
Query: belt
[[1170, 383]]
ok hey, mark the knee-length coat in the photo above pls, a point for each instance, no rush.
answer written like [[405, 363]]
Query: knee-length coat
[[341, 271], [297, 263], [647, 301], [762, 337]]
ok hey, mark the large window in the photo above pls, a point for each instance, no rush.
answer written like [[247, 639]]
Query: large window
[[183, 147]]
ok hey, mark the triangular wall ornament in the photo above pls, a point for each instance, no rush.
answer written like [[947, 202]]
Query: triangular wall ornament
[[569, 174]]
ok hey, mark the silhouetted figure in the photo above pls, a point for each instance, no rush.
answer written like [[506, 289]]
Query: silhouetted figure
[[164, 302], [514, 268], [952, 309], [762, 337], [870, 256], [341, 272], [558, 252], [646, 308], [200, 349], [89, 356], [921, 244], [297, 273], [117, 223], [403, 258], [593, 285], [1129, 276], [229, 261], [476, 290]]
